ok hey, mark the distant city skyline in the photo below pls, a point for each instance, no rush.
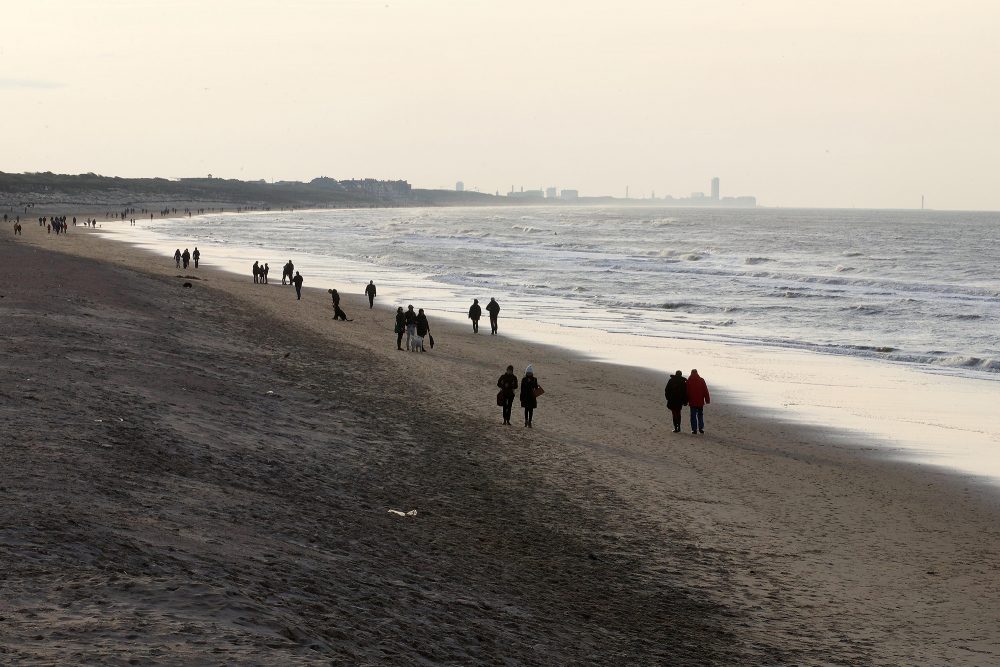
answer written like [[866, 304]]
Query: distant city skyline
[[850, 104]]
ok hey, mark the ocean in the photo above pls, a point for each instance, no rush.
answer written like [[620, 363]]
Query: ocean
[[909, 297]]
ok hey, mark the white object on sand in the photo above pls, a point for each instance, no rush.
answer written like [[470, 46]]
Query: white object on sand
[[398, 513]]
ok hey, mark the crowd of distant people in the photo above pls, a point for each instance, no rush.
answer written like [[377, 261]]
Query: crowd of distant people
[[412, 327]]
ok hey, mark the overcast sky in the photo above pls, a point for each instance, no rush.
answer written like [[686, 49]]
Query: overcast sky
[[868, 103]]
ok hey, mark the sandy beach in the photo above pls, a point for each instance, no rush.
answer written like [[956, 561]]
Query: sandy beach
[[204, 475]]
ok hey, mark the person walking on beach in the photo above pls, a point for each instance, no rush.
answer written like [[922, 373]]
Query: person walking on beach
[[698, 398], [263, 273], [177, 258], [196, 255], [256, 272], [530, 391], [286, 272], [400, 327], [508, 387], [423, 328], [370, 293], [297, 281], [475, 312], [410, 318], [493, 308], [677, 397], [186, 258]]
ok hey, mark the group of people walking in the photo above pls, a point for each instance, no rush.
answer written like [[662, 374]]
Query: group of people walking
[[692, 392], [186, 257]]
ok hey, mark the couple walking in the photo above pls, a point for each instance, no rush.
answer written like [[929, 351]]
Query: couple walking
[[691, 391], [530, 391], [476, 312]]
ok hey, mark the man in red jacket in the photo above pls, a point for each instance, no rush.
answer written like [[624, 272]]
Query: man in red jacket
[[698, 398]]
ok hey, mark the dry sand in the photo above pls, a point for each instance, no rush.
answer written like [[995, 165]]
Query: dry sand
[[161, 506]]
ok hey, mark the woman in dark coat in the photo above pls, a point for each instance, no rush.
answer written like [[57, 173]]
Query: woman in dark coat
[[677, 397], [400, 327], [529, 385], [508, 387], [423, 328], [475, 312]]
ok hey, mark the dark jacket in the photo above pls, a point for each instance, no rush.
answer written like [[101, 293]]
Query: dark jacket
[[508, 384], [370, 290], [475, 312], [528, 385], [422, 326], [493, 308], [400, 322], [676, 391], [697, 391], [298, 280], [409, 317]]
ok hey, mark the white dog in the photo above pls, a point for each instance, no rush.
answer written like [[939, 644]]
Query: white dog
[[417, 343]]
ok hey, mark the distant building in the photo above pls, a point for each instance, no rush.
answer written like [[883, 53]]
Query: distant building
[[715, 189], [569, 194], [460, 187], [550, 193], [527, 194]]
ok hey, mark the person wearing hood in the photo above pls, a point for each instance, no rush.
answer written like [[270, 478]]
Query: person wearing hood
[[698, 398], [677, 397], [530, 391]]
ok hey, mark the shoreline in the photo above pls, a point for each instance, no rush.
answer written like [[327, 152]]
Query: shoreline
[[812, 387], [819, 548]]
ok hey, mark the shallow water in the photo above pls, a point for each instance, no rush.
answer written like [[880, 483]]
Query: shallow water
[[871, 321]]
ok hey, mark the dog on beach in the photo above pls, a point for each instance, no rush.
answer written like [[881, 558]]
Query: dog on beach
[[417, 343]]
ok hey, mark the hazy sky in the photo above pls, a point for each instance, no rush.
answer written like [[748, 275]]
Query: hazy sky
[[801, 103]]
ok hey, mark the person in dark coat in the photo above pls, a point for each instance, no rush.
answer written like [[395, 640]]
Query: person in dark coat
[[475, 312], [185, 258], [256, 272], [196, 255], [508, 387], [677, 397], [177, 258], [423, 328], [493, 308], [400, 327], [297, 281], [338, 314], [286, 272], [370, 293], [529, 401], [698, 398]]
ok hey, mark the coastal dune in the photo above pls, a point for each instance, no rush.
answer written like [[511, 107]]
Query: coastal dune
[[204, 475]]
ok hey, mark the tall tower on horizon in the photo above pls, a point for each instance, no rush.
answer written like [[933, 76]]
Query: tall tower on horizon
[[715, 189]]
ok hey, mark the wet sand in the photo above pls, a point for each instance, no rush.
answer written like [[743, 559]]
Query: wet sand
[[204, 520]]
